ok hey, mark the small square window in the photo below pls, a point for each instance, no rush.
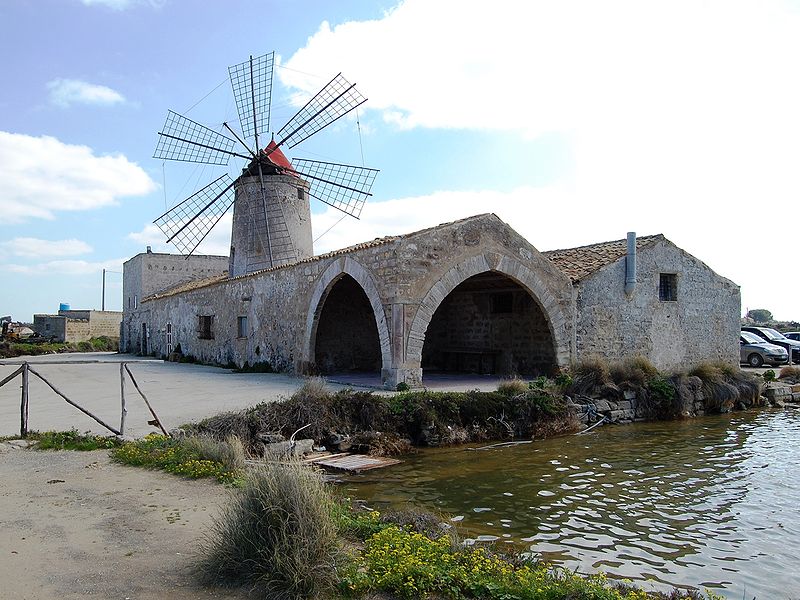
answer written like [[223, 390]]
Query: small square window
[[206, 327], [241, 327], [668, 287]]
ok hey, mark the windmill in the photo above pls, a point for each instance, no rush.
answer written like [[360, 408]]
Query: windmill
[[271, 221]]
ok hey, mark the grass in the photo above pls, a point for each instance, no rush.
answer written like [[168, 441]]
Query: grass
[[277, 535], [187, 457], [418, 418], [97, 344], [285, 535], [71, 440], [789, 373]]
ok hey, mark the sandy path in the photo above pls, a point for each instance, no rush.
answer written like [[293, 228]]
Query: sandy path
[[75, 525]]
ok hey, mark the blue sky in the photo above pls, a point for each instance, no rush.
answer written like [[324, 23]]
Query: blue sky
[[574, 121]]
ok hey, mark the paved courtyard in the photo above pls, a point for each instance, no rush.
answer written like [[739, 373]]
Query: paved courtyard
[[179, 393]]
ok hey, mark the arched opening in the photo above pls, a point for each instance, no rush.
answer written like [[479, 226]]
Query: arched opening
[[347, 334], [489, 324]]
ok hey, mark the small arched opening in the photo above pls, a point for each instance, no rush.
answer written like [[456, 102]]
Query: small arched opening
[[347, 338], [489, 324]]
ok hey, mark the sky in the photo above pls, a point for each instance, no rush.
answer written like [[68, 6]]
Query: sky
[[574, 121]]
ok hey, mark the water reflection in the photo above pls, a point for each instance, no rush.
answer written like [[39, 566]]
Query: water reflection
[[709, 503]]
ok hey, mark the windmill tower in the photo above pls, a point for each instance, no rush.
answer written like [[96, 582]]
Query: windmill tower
[[271, 197]]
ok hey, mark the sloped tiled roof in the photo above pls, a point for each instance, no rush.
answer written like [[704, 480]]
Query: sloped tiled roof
[[579, 262], [200, 283]]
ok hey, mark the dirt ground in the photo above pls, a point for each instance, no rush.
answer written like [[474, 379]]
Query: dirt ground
[[76, 525]]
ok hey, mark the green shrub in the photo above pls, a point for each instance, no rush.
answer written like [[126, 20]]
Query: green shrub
[[177, 456], [402, 387], [72, 440], [276, 536], [768, 375]]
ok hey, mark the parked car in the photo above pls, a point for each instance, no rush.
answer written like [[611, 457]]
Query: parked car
[[754, 351], [776, 337], [793, 335]]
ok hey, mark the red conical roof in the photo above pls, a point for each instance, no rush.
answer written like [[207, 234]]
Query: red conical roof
[[278, 158]]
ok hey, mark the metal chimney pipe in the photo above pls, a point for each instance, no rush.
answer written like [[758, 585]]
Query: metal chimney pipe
[[630, 264]]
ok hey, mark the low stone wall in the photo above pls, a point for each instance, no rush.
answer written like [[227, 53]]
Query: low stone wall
[[626, 406]]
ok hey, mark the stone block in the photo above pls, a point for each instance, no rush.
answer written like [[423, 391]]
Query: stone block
[[287, 448]]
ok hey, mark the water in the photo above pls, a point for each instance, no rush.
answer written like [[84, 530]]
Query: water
[[709, 503]]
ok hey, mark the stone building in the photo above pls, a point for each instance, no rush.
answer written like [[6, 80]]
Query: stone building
[[78, 325], [468, 296]]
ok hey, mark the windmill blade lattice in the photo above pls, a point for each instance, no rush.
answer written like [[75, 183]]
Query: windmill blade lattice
[[344, 187], [332, 102], [185, 140], [188, 223], [252, 89]]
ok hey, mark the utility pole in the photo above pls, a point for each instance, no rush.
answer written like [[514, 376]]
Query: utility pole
[[103, 303]]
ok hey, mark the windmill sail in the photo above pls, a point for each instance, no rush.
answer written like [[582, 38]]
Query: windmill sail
[[185, 140], [252, 89], [344, 187], [188, 223], [271, 224], [332, 102]]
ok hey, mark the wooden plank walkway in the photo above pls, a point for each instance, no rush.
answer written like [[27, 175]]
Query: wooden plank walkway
[[354, 463]]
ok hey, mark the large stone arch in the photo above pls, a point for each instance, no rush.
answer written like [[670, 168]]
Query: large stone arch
[[337, 269], [544, 295]]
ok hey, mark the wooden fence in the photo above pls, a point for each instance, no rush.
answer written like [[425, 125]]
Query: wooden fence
[[26, 370]]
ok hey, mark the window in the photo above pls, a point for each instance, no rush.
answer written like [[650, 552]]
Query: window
[[241, 327], [668, 287], [206, 327], [301, 194], [170, 346], [135, 301], [502, 303]]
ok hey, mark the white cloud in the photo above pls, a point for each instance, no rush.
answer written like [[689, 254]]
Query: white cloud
[[66, 92], [36, 248], [67, 267], [40, 176], [681, 116], [217, 242]]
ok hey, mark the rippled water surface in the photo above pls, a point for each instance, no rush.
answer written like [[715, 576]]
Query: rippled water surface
[[712, 502]]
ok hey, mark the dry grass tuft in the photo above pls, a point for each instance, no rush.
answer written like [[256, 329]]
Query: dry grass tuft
[[512, 387], [723, 385], [636, 372], [230, 452], [590, 373], [790, 373], [276, 535]]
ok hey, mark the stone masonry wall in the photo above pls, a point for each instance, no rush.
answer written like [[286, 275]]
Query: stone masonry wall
[[701, 325], [404, 280]]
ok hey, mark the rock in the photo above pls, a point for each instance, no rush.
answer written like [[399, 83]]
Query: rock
[[21, 444], [287, 448], [629, 395], [270, 438], [177, 433], [624, 405], [601, 405]]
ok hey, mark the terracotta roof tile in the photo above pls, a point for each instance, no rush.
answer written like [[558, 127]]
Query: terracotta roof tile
[[579, 262], [200, 283]]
